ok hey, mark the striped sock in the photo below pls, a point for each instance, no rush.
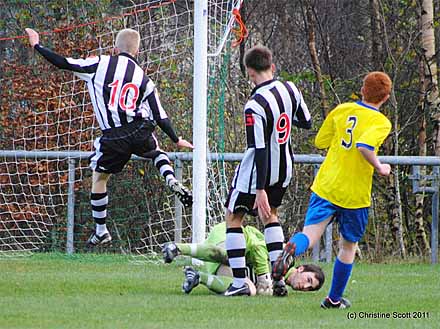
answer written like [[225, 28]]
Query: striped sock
[[236, 248], [274, 237], [163, 164], [99, 203]]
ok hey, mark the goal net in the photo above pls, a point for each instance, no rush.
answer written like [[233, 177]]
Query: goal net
[[46, 176]]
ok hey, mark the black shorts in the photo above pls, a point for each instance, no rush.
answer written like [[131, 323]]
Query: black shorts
[[116, 145], [239, 202]]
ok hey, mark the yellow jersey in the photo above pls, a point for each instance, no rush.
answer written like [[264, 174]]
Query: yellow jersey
[[345, 177]]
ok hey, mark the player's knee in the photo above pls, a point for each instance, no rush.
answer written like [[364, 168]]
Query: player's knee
[[348, 246], [272, 219], [234, 219], [100, 178], [312, 235]]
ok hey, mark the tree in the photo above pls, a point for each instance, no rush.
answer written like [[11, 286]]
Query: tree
[[310, 27], [428, 101], [432, 101], [376, 44]]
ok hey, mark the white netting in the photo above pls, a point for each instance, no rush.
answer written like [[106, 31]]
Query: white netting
[[220, 21], [34, 190]]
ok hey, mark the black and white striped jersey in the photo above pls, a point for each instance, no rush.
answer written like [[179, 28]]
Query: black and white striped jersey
[[269, 114], [119, 89]]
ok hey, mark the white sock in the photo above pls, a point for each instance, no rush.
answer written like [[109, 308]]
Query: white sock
[[170, 180], [101, 229]]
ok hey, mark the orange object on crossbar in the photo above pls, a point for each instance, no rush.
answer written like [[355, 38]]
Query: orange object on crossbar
[[241, 32]]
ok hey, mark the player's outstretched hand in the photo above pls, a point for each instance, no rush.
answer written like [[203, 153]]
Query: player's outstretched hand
[[183, 143], [262, 204], [34, 38], [384, 169]]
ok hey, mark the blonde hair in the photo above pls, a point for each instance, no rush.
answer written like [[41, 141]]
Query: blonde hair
[[128, 41]]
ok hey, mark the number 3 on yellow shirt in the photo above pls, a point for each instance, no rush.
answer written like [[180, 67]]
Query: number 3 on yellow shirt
[[351, 123]]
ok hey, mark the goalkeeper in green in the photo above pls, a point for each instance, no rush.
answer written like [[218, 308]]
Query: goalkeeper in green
[[216, 274]]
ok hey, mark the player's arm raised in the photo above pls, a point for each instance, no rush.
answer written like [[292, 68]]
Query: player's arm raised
[[83, 68]]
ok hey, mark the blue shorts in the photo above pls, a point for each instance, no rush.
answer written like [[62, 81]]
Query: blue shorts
[[352, 222]]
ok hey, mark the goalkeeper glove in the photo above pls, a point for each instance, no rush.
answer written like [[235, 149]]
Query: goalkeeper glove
[[264, 284]]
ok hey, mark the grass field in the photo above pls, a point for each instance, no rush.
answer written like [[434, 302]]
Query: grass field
[[109, 291]]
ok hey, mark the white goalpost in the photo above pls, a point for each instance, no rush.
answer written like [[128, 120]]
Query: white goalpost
[[200, 106], [182, 44], [200, 119]]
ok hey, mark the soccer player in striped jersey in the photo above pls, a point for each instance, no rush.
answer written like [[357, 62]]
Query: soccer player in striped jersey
[[352, 133], [263, 175], [216, 275], [127, 108]]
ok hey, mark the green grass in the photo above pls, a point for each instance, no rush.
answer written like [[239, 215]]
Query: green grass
[[109, 291]]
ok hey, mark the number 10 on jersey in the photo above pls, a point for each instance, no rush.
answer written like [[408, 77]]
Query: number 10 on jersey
[[124, 103]]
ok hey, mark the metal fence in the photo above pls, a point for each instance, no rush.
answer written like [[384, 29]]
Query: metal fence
[[179, 157]]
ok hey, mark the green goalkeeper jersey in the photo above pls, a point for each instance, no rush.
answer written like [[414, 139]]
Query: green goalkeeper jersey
[[256, 251]]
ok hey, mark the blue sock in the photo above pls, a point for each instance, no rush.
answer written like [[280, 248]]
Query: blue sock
[[302, 243], [341, 274]]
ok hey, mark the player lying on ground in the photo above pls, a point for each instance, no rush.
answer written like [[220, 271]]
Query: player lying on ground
[[217, 275], [127, 108], [352, 133]]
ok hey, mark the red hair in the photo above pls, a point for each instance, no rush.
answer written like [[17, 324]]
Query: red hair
[[377, 86]]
